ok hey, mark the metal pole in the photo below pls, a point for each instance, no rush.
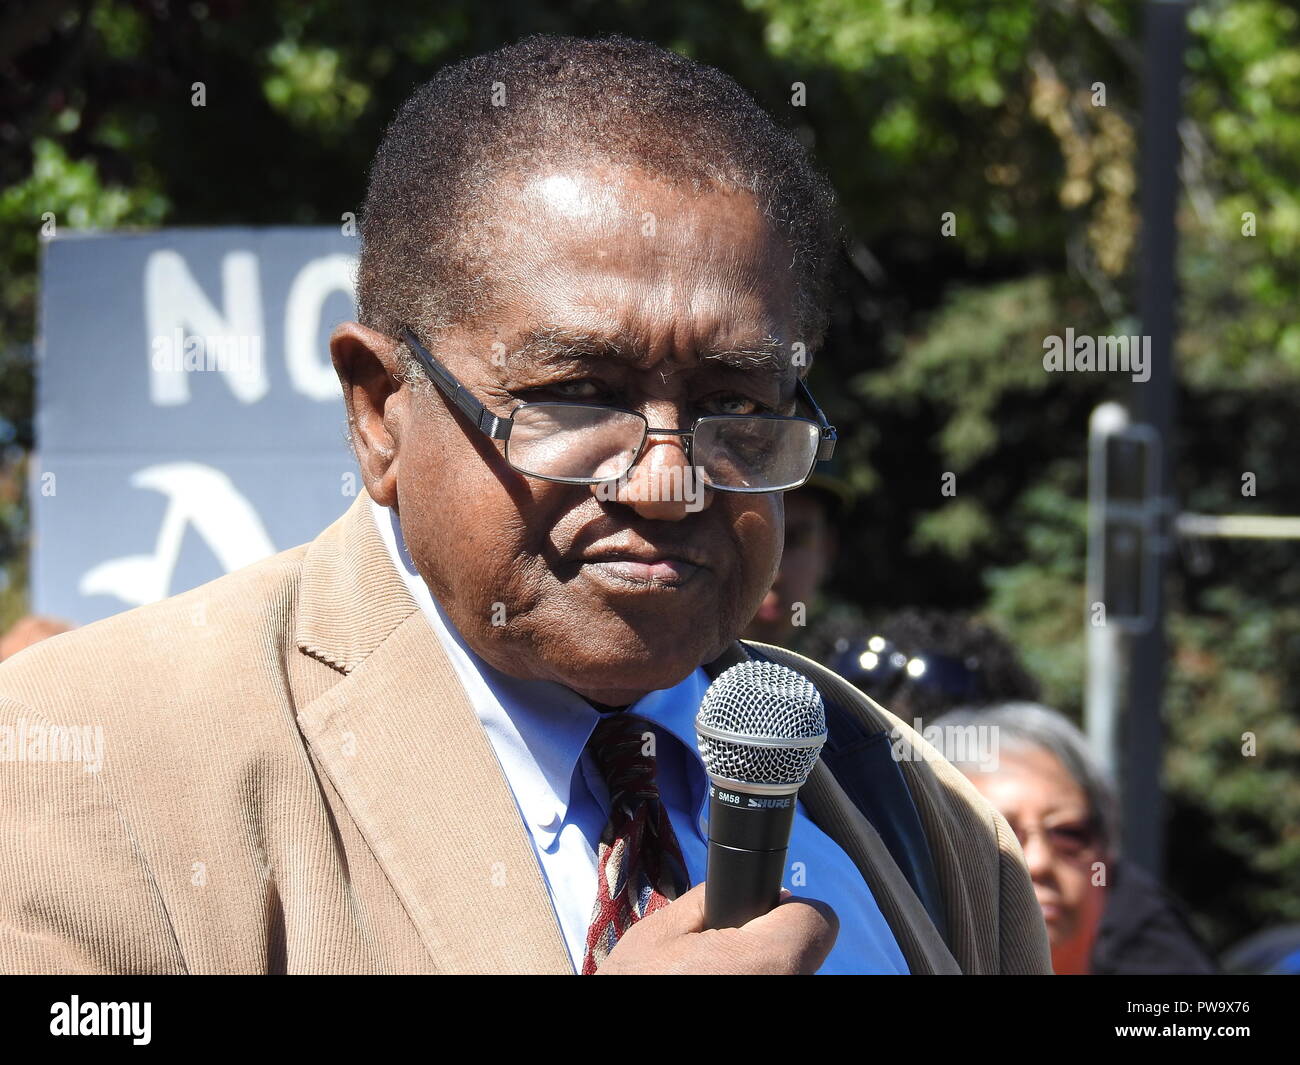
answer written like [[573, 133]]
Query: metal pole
[[1239, 526], [1102, 688], [1163, 42]]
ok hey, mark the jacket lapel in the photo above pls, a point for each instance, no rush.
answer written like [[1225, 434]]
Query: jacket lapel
[[917, 938], [405, 751], [832, 811]]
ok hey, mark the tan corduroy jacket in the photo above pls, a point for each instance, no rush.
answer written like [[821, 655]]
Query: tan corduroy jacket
[[291, 779]]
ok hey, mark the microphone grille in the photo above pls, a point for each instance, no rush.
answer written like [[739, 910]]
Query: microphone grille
[[761, 723]]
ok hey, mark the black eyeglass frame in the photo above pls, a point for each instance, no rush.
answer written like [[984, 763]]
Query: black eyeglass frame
[[496, 428]]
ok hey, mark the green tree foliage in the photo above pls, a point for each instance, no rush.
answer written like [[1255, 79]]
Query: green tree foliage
[[986, 156]]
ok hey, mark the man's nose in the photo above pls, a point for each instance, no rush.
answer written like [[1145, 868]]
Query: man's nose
[[662, 485]]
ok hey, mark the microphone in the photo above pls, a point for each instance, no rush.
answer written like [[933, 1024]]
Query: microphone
[[760, 727]]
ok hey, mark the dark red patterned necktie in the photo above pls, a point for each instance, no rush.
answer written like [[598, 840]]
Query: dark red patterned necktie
[[639, 866]]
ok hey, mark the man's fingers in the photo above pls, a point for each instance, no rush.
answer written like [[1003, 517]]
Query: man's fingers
[[809, 925], [795, 937], [685, 914]]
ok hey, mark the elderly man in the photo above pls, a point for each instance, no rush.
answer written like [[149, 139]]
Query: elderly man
[[591, 273]]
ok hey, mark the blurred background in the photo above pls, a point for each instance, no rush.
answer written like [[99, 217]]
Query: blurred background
[[986, 112]]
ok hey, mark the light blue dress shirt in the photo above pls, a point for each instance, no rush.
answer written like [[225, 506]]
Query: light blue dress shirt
[[539, 732]]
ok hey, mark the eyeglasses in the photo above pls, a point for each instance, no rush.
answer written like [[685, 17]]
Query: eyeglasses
[[581, 443], [1069, 840]]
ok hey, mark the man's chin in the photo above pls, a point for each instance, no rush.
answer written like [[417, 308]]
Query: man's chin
[[614, 644], [619, 663], [620, 681]]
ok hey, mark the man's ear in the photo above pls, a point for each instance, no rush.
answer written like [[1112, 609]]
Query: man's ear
[[368, 364]]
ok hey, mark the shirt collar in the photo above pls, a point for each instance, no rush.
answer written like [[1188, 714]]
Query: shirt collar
[[674, 709], [541, 726]]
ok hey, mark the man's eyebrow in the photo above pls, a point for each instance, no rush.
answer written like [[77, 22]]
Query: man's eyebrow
[[767, 354], [556, 345], [553, 345]]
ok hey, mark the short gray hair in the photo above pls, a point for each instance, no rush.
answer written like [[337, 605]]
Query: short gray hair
[[429, 257], [1034, 725]]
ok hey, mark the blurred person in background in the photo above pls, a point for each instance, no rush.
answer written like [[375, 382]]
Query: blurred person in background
[[28, 630], [794, 608], [1272, 952], [1104, 916], [921, 663]]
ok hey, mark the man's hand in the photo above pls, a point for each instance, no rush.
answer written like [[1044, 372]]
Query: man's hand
[[792, 939]]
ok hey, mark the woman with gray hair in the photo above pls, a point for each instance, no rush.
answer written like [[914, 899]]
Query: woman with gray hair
[[1103, 916]]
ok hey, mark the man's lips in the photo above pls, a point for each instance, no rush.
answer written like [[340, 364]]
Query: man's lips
[[644, 564]]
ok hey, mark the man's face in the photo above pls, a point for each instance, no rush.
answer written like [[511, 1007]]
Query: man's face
[[611, 597]]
